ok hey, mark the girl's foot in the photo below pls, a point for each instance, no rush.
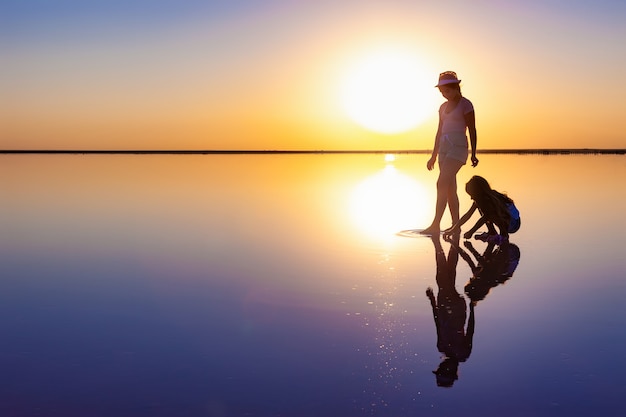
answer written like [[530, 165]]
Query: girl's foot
[[432, 230], [489, 238], [497, 239]]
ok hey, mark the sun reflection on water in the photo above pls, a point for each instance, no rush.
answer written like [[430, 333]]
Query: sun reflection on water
[[387, 202]]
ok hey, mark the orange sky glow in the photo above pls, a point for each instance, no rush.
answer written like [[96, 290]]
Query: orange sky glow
[[271, 77]]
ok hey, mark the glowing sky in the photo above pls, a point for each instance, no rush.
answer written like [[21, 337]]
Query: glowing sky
[[247, 74]]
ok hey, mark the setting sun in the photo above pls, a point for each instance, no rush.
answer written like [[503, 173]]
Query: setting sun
[[388, 91]]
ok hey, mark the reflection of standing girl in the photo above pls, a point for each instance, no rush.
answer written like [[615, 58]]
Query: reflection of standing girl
[[449, 314], [456, 116]]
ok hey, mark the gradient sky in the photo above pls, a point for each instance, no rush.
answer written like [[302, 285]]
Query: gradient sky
[[247, 74]]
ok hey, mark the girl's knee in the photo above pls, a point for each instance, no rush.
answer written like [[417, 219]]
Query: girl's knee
[[446, 180]]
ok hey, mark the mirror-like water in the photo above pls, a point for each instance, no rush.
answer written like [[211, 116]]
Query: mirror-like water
[[232, 285]]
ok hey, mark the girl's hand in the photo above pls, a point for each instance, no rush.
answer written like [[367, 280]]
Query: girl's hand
[[474, 160], [451, 231], [431, 162], [430, 293]]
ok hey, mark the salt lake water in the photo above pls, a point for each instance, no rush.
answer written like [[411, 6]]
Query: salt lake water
[[278, 285]]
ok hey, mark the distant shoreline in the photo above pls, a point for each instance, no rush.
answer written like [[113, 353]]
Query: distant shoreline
[[236, 152]]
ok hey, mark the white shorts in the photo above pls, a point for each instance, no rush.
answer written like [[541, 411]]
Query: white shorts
[[454, 145]]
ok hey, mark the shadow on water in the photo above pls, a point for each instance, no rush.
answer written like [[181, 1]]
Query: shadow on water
[[455, 330]]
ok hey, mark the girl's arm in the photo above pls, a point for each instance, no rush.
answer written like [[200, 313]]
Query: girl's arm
[[431, 296], [473, 251], [477, 226], [470, 122], [433, 157], [457, 226], [467, 258], [471, 324]]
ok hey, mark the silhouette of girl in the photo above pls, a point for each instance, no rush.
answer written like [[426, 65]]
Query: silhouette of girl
[[449, 313], [494, 267], [456, 116], [495, 209]]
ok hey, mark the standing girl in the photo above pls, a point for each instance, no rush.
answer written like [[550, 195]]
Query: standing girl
[[456, 116]]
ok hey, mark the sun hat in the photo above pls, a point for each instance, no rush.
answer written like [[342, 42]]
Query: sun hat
[[448, 77]]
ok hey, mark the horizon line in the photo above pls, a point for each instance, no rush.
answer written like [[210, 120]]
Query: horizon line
[[544, 151]]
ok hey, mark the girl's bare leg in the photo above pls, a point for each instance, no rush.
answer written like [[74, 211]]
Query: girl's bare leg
[[453, 199], [446, 193]]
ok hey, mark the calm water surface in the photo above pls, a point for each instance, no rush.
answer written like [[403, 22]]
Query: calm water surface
[[277, 285]]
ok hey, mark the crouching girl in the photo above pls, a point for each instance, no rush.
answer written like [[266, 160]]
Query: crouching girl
[[496, 209]]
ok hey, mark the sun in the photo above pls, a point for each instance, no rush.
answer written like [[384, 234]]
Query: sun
[[388, 91]]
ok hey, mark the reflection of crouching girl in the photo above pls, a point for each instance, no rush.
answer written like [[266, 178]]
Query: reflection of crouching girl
[[494, 267], [495, 209]]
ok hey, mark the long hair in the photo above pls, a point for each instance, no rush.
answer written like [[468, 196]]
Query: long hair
[[491, 203]]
